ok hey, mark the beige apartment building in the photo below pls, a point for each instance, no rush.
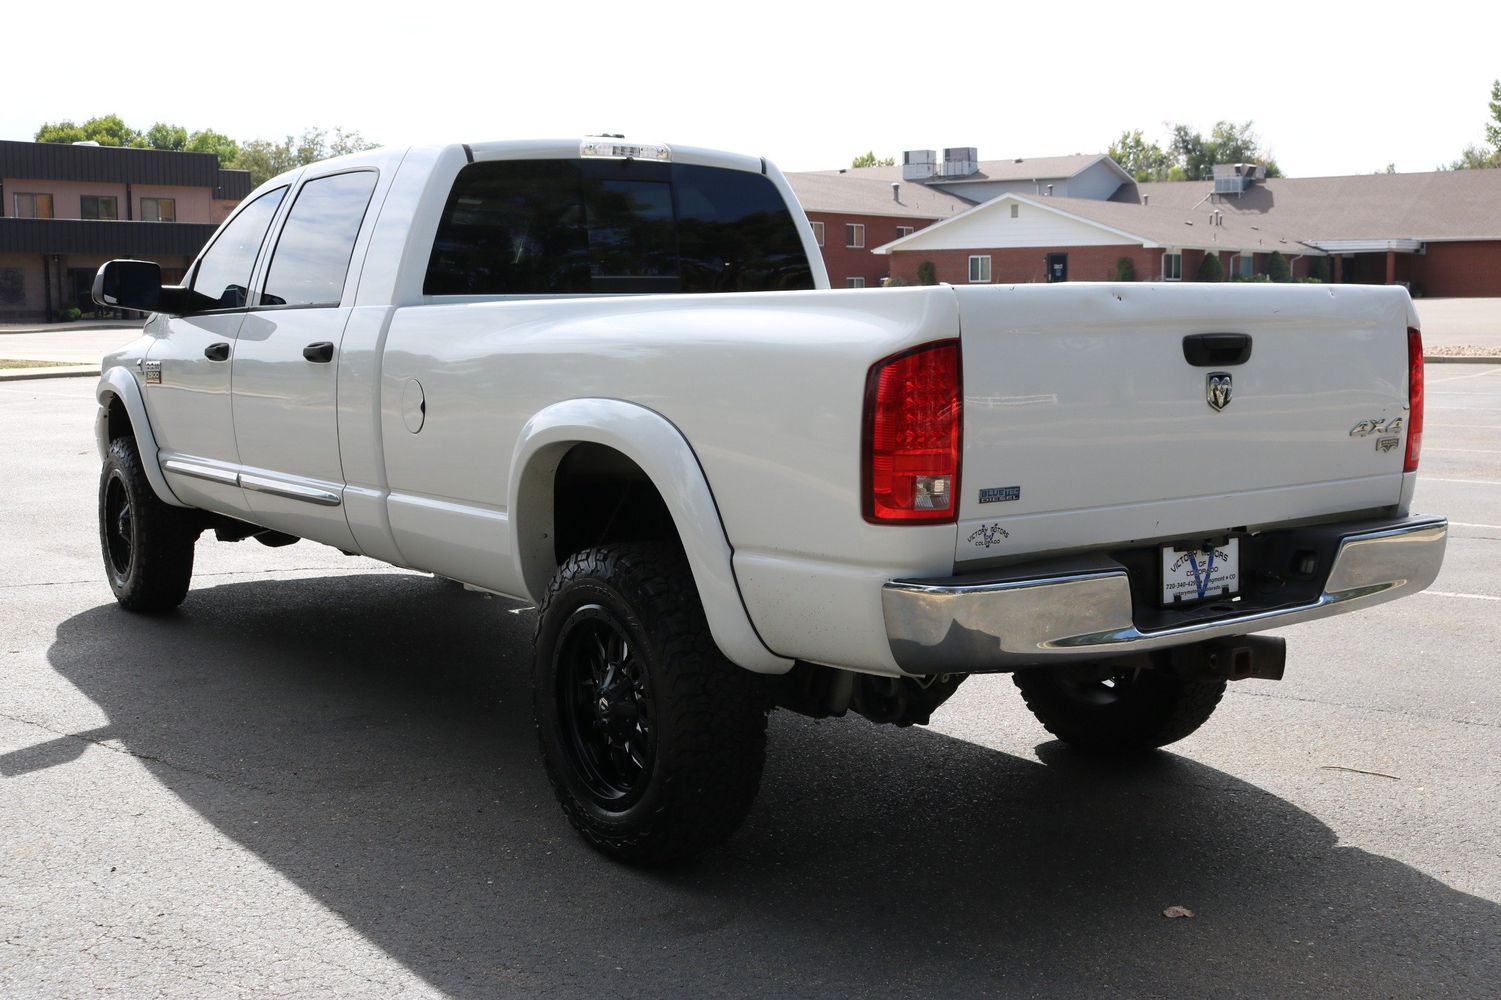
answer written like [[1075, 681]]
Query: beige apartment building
[[64, 210]]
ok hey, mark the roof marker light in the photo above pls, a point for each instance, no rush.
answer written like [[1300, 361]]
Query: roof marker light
[[609, 149]]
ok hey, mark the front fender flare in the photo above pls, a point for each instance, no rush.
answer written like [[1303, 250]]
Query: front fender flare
[[659, 448], [121, 384]]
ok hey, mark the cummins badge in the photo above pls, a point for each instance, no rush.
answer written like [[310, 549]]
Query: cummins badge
[[1217, 390]]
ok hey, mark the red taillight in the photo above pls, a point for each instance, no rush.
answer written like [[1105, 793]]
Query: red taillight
[[1414, 398], [912, 426]]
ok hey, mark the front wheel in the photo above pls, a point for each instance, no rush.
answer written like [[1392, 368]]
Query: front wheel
[[653, 741], [1117, 710], [147, 545]]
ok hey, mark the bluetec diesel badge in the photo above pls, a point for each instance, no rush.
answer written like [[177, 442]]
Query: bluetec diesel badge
[[1000, 494]]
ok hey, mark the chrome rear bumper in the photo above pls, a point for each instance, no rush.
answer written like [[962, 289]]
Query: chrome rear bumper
[[1081, 609]]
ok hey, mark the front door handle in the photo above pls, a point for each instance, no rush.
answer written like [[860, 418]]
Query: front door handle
[[320, 353], [217, 352]]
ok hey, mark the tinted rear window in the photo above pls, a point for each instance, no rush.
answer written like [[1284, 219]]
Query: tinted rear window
[[529, 227]]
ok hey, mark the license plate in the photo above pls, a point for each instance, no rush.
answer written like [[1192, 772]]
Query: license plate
[[1200, 574]]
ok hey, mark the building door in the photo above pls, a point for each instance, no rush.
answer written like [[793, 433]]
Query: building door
[[81, 289], [1057, 267]]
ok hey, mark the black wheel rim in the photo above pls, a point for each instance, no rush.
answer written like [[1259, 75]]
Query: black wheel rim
[[118, 527], [605, 708]]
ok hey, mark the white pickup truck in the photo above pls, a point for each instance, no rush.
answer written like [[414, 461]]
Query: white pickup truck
[[610, 379]]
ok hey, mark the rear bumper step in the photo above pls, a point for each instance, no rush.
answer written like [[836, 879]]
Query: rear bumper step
[[1081, 609]]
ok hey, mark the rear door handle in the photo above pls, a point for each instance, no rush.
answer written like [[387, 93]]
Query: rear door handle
[[1217, 350], [320, 353], [217, 352]]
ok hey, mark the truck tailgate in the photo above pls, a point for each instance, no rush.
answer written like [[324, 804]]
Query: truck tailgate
[[1085, 424]]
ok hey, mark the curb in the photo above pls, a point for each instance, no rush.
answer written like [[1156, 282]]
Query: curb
[[64, 371], [1459, 359]]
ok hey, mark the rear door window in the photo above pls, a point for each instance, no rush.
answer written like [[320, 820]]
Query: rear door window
[[536, 227], [312, 253]]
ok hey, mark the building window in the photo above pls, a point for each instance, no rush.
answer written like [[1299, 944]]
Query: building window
[[158, 209], [1016, 211], [1247, 266], [979, 268], [903, 231], [33, 206], [854, 235], [1172, 266], [98, 206], [854, 282], [818, 233]]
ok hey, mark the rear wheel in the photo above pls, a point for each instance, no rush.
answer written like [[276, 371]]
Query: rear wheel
[[653, 741], [147, 545], [1114, 710]]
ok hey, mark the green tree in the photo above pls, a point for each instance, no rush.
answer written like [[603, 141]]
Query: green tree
[[106, 130], [1146, 161], [1125, 269], [870, 159], [1210, 269], [927, 274], [1189, 154], [1476, 158], [1493, 127], [209, 141], [164, 136], [265, 159], [1277, 267]]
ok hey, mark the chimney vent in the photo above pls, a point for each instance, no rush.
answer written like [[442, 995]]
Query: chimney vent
[[896, 191]]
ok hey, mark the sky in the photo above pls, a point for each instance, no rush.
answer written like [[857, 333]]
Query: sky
[[1332, 88]]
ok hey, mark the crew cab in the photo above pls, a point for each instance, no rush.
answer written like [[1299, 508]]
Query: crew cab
[[609, 378]]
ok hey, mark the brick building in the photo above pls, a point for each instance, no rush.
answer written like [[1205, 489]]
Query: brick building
[[64, 210], [1075, 218], [1016, 238], [853, 213]]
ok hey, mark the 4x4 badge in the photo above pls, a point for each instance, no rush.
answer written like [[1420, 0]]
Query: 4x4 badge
[[1217, 390]]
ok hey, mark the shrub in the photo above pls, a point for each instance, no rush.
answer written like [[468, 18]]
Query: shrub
[[1125, 269], [1318, 269], [927, 274], [72, 313], [1278, 268], [1210, 269]]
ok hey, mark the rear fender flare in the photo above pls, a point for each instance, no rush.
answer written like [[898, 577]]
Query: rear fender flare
[[660, 450]]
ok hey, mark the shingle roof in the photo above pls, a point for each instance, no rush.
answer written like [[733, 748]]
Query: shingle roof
[[1441, 205], [1189, 226], [832, 191], [1167, 226], [1023, 169]]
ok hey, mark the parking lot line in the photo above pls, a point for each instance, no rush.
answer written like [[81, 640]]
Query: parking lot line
[[1470, 597]]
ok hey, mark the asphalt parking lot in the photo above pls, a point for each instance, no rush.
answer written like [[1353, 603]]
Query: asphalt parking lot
[[320, 779]]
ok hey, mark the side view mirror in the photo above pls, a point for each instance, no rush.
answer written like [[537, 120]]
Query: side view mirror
[[137, 285], [129, 284]]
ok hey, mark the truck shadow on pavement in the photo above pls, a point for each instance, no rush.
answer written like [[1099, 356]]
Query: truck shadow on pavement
[[370, 738]]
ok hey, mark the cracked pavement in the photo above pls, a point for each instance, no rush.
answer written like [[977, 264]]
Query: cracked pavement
[[320, 779]]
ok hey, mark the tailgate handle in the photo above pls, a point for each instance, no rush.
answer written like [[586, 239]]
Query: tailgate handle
[[1217, 350]]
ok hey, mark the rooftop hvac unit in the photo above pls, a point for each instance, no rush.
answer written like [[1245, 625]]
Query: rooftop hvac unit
[[961, 161], [1234, 178], [919, 164]]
